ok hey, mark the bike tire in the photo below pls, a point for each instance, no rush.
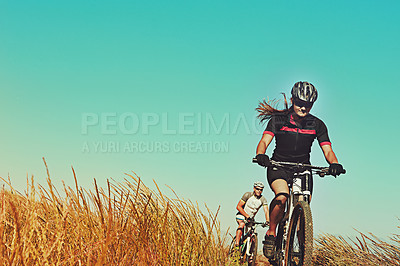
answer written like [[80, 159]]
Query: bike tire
[[299, 245], [251, 261], [243, 255], [235, 255], [231, 246]]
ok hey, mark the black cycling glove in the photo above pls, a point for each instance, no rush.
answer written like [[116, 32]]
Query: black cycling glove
[[335, 169], [263, 160]]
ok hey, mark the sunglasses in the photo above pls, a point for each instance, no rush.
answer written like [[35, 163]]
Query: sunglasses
[[301, 103], [261, 189]]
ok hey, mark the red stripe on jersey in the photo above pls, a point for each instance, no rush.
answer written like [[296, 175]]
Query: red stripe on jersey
[[292, 120], [269, 133], [308, 131], [302, 131], [325, 143], [289, 129]]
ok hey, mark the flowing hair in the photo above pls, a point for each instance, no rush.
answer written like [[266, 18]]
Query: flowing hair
[[266, 109]]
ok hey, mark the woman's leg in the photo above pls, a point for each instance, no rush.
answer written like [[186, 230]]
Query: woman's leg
[[277, 207]]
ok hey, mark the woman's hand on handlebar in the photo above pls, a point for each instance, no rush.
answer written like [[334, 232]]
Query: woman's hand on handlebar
[[336, 169], [263, 160]]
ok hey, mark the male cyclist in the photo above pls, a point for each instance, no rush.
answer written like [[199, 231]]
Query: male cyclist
[[248, 207], [294, 130]]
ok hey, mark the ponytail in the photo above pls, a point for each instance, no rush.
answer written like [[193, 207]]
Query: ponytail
[[266, 109]]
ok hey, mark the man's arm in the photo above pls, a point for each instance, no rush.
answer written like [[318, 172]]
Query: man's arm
[[240, 206], [266, 211]]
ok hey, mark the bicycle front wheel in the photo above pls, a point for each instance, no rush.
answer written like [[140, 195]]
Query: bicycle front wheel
[[231, 247], [299, 246], [251, 260]]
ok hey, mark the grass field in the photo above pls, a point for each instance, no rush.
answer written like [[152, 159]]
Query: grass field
[[366, 249], [124, 224], [129, 224]]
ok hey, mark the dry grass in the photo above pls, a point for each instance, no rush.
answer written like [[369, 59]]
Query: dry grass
[[129, 224], [365, 250], [125, 224]]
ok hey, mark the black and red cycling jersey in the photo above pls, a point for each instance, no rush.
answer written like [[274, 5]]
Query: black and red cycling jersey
[[294, 140]]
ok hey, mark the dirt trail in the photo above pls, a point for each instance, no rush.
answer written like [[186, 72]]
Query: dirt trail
[[262, 261]]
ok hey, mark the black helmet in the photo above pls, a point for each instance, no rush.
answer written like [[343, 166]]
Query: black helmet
[[304, 91]]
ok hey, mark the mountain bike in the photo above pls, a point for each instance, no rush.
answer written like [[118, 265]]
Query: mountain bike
[[247, 245], [294, 240]]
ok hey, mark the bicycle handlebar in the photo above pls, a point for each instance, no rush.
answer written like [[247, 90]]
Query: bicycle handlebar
[[257, 223], [322, 170]]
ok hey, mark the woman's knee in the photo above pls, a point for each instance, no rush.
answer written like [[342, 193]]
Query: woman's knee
[[281, 198]]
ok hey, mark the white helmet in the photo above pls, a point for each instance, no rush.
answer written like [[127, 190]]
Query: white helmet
[[259, 184]]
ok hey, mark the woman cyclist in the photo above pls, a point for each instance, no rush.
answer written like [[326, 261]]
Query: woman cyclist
[[295, 130]]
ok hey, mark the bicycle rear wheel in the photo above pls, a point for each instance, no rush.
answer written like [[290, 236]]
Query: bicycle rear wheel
[[300, 236], [251, 260]]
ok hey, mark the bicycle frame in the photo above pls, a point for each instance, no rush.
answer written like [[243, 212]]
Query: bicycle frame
[[296, 194], [248, 249], [251, 230]]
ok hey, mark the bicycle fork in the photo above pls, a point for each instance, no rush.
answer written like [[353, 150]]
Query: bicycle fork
[[249, 244]]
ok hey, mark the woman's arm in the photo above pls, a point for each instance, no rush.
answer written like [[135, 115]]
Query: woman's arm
[[264, 143], [329, 154]]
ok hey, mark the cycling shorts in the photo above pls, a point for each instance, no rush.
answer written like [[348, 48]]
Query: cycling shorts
[[274, 173], [240, 217]]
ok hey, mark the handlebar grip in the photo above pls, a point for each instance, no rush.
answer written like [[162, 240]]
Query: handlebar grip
[[344, 171]]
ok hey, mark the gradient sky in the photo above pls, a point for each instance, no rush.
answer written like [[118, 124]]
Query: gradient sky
[[180, 65]]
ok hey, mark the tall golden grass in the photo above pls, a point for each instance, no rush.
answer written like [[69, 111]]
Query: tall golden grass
[[367, 249], [129, 224], [124, 224]]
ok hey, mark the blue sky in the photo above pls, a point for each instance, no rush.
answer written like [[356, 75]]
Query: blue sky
[[179, 65]]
